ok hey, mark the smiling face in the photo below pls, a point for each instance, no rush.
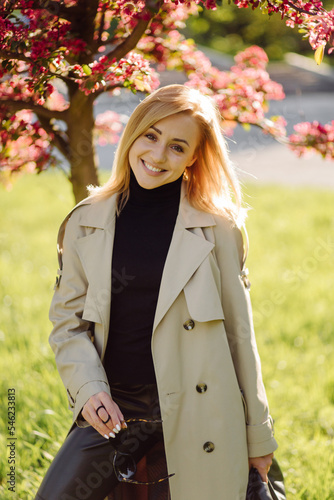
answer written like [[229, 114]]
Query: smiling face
[[161, 154]]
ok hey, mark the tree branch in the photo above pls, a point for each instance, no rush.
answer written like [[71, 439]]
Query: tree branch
[[131, 41], [59, 142], [301, 11], [36, 108], [14, 55], [21, 57], [108, 88], [65, 79], [101, 27], [57, 9]]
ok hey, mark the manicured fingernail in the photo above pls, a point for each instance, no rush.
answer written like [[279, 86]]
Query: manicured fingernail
[[125, 425], [111, 434], [115, 430], [107, 437], [118, 427]]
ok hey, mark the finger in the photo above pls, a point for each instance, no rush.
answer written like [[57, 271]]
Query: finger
[[269, 459], [87, 410], [263, 474], [103, 414], [95, 420], [123, 423], [262, 470], [108, 420], [120, 416], [116, 416]]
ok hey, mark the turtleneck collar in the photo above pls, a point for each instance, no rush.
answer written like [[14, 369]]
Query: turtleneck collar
[[167, 194]]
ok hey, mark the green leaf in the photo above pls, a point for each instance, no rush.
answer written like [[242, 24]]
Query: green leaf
[[112, 28], [89, 85], [7, 65], [319, 54], [86, 69], [14, 45], [139, 84]]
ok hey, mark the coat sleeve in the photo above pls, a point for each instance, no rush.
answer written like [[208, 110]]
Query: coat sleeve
[[71, 339], [241, 338]]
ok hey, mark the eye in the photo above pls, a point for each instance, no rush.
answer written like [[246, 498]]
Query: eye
[[150, 136], [177, 148]]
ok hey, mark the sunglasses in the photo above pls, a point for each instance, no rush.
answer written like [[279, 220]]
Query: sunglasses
[[124, 464]]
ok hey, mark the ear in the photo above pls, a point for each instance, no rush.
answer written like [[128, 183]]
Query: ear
[[192, 161]]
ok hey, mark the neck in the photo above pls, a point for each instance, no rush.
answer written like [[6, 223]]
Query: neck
[[162, 195]]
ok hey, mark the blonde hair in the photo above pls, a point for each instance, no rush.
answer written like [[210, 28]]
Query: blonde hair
[[212, 182]]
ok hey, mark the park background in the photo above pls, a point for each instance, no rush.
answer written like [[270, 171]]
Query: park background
[[290, 226]]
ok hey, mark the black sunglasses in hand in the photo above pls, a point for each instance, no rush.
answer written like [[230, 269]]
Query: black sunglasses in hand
[[124, 464]]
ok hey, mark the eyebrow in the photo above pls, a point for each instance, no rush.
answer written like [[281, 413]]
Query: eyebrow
[[175, 139]]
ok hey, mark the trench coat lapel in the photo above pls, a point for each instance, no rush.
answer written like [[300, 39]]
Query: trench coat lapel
[[187, 251], [95, 251]]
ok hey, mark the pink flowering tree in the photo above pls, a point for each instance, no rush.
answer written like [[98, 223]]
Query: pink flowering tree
[[99, 46]]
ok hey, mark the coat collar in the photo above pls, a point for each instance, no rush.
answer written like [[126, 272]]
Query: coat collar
[[101, 214], [191, 217], [98, 214]]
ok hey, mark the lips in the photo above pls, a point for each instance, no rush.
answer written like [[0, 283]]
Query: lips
[[152, 168]]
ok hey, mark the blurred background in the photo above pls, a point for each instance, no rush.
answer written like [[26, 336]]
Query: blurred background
[[291, 262]]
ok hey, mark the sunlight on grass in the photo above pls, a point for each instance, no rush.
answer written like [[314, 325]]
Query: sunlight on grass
[[291, 269]]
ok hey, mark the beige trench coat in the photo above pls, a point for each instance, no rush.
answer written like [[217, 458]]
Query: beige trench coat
[[202, 334]]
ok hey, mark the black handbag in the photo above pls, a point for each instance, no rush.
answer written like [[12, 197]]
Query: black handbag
[[273, 490]]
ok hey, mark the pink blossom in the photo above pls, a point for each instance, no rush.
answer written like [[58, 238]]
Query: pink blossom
[[133, 72], [108, 126], [24, 143], [56, 101], [315, 137]]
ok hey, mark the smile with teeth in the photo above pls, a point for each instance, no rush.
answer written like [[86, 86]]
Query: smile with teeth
[[153, 169]]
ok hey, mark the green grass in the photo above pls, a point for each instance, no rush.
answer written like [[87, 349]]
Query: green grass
[[291, 268]]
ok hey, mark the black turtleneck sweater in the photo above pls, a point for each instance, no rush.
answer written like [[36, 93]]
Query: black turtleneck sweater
[[143, 234]]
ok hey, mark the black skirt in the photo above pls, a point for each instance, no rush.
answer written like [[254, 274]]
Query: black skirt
[[85, 468]]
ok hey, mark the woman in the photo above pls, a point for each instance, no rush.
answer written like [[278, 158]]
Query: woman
[[152, 320]]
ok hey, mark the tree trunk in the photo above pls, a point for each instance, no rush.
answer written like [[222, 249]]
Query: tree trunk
[[83, 159]]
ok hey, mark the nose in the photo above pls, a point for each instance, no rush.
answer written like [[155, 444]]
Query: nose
[[158, 153]]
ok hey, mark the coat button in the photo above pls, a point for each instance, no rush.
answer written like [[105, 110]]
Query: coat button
[[208, 446], [201, 388], [189, 324]]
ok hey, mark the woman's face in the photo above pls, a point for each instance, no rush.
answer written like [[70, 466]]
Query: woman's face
[[161, 154]]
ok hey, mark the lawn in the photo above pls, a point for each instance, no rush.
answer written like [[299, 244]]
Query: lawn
[[291, 269]]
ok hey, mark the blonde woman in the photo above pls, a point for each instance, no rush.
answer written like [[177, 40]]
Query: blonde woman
[[153, 332]]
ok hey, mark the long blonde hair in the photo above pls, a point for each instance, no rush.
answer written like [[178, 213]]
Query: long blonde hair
[[212, 182]]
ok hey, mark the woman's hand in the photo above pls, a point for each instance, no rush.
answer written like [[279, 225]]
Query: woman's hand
[[262, 464], [110, 414]]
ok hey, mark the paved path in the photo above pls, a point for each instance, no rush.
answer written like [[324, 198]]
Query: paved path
[[266, 161], [277, 165]]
